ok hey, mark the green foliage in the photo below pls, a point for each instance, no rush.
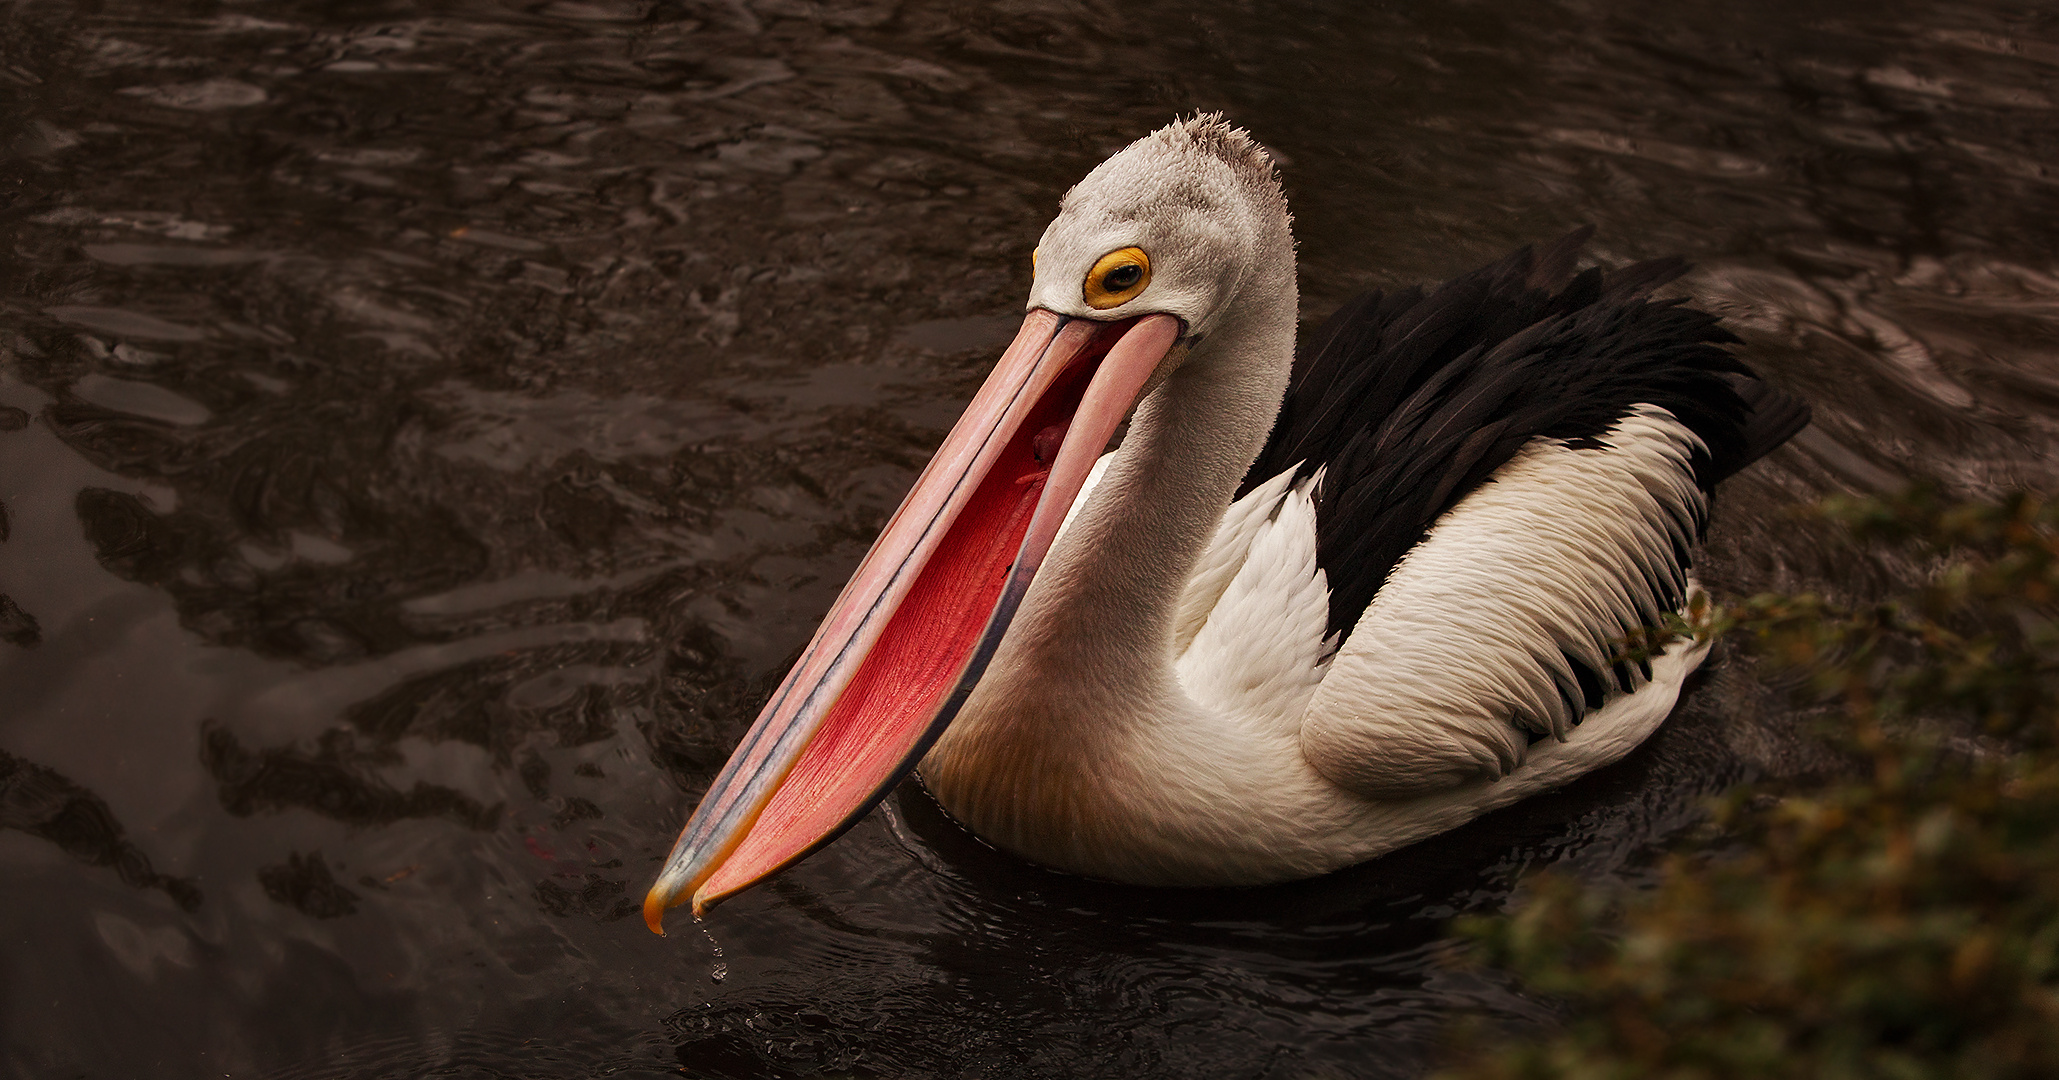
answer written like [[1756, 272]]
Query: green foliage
[[1897, 919]]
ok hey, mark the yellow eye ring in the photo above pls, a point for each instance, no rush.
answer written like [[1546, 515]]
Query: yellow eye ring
[[1117, 278]]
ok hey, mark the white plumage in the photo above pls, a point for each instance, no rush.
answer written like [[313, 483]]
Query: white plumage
[[1261, 651]]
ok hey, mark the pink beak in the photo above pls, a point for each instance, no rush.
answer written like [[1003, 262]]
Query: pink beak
[[913, 630]]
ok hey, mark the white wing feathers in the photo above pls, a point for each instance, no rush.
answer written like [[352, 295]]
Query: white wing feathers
[[1464, 649], [1259, 651], [1226, 555]]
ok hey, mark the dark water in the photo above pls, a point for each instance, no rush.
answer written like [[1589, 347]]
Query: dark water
[[429, 427]]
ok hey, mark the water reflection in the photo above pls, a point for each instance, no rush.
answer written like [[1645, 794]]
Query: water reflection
[[426, 431]]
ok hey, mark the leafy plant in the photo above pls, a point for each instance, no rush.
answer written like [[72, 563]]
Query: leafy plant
[[1897, 919]]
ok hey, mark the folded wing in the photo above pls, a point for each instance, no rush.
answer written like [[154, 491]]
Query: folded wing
[[1512, 473]]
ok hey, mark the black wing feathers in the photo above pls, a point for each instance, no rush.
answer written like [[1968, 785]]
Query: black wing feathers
[[1410, 401]]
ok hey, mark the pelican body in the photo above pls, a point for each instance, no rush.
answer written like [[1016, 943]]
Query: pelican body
[[1312, 610]]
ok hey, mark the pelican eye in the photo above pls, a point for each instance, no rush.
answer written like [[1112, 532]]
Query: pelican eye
[[1117, 278]]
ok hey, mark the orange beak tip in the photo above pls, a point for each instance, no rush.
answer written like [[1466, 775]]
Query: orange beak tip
[[654, 912]]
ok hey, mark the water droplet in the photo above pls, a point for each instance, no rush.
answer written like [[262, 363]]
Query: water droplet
[[721, 970]]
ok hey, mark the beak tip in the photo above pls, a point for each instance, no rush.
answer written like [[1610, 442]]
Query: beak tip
[[661, 899], [654, 905]]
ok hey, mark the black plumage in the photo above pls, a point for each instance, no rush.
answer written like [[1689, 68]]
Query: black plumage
[[1410, 401]]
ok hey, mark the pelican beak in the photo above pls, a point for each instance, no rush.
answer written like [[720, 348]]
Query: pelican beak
[[913, 630]]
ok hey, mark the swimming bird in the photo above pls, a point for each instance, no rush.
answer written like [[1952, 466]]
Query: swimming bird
[[1313, 608]]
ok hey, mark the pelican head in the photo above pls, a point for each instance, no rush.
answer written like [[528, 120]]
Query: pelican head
[[1194, 207]]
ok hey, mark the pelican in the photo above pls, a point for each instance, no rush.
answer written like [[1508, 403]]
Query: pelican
[[1311, 610]]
